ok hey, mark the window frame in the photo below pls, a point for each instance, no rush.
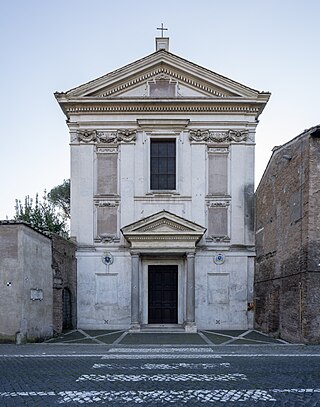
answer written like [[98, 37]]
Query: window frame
[[162, 138]]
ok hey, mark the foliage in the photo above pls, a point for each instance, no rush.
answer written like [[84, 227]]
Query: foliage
[[59, 196], [42, 215]]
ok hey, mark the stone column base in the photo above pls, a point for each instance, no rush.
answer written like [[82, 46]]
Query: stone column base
[[135, 328], [190, 327]]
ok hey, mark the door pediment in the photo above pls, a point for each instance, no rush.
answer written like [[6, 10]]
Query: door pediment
[[163, 231]]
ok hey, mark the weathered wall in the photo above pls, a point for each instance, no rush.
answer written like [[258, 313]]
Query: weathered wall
[[26, 283], [287, 242], [11, 282], [35, 270], [64, 279]]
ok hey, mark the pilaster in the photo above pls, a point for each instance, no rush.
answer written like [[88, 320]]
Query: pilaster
[[135, 292], [190, 325]]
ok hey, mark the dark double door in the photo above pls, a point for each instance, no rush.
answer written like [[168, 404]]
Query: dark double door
[[163, 294]]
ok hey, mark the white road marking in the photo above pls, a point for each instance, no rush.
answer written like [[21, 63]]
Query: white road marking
[[162, 378], [169, 356], [184, 396], [162, 366], [160, 350]]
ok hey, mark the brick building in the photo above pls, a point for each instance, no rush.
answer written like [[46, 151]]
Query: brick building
[[287, 277]]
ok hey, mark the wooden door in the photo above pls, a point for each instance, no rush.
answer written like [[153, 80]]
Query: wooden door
[[163, 294]]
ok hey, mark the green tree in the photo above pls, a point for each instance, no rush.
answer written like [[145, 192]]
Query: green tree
[[42, 215], [59, 196]]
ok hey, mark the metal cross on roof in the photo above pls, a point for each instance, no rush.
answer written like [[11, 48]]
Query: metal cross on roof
[[162, 29]]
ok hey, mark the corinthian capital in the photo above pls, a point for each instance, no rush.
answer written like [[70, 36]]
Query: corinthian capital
[[199, 135], [87, 136], [126, 135], [106, 136], [238, 135]]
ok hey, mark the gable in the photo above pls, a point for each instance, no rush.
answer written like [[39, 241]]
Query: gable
[[134, 80], [162, 81]]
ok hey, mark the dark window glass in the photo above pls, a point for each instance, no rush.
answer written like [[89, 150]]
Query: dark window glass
[[163, 164]]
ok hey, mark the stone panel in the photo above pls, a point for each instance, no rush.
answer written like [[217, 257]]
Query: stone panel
[[107, 220], [218, 221], [218, 174], [106, 289], [107, 174], [218, 288]]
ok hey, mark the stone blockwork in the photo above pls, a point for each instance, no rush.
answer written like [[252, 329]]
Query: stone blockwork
[[287, 277]]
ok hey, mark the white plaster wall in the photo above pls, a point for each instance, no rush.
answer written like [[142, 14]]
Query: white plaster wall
[[228, 308], [135, 203], [104, 295], [241, 174]]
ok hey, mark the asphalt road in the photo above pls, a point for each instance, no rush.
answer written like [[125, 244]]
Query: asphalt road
[[75, 375]]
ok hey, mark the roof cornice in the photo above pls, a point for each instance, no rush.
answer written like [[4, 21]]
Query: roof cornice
[[197, 106]]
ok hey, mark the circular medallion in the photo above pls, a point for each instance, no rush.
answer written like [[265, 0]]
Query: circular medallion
[[219, 258], [107, 259]]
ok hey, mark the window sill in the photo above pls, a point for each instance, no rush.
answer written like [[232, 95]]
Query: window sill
[[162, 192]]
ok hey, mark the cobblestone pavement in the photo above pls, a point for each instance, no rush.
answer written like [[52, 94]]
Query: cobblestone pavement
[[77, 375]]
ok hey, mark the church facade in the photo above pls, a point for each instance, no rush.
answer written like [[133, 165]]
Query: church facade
[[162, 189]]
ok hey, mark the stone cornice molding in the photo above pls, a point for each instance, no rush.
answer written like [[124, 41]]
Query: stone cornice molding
[[195, 106], [228, 136]]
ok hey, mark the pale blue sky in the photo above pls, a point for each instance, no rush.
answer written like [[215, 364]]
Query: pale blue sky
[[49, 46]]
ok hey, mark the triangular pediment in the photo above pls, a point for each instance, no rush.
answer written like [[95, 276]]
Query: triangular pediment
[[163, 229], [160, 70]]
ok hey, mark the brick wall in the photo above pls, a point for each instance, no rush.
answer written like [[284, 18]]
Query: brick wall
[[288, 244]]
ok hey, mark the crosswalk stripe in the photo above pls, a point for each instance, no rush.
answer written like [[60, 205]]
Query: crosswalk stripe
[[188, 377]]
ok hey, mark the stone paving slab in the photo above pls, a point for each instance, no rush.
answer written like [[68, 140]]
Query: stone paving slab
[[125, 338], [162, 339]]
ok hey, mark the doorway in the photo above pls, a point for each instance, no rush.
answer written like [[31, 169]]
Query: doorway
[[162, 294], [66, 309]]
